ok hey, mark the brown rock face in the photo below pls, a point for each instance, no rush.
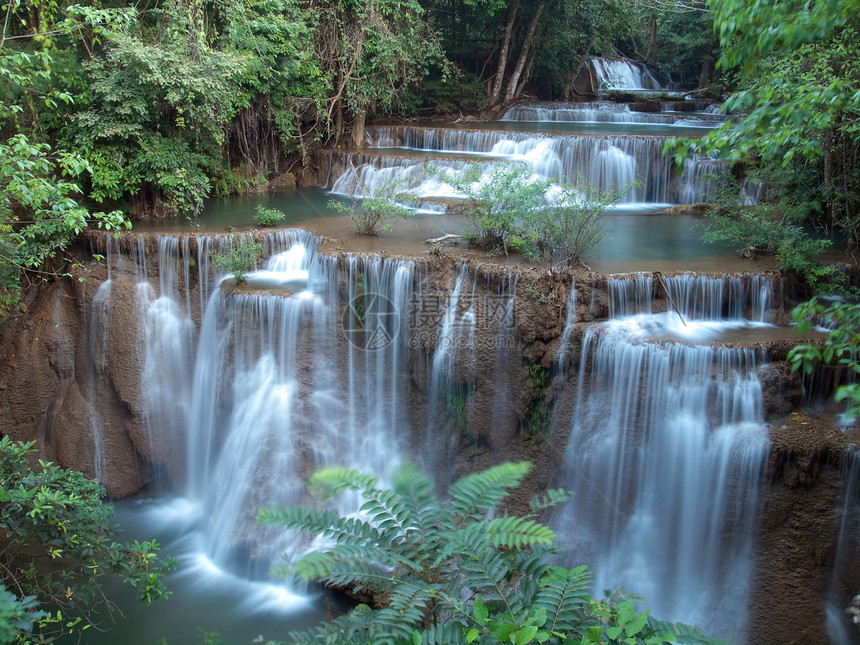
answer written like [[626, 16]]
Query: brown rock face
[[54, 394], [799, 532]]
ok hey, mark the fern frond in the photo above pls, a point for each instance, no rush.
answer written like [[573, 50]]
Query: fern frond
[[325, 483], [415, 491], [473, 495], [553, 496], [563, 593], [325, 523], [329, 568], [518, 532], [378, 555], [443, 634], [682, 634]]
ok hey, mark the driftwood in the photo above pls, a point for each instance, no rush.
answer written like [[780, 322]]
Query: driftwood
[[444, 238]]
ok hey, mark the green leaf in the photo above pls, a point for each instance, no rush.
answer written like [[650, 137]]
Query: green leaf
[[480, 611]]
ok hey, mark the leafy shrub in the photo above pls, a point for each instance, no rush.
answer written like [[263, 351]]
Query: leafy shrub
[[269, 216], [57, 544], [442, 573], [240, 259], [839, 349], [571, 227], [374, 206], [498, 203]]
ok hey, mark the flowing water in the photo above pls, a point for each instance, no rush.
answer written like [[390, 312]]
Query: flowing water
[[666, 451], [321, 360]]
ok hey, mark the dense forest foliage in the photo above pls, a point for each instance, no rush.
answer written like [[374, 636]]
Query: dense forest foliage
[[113, 110], [168, 101]]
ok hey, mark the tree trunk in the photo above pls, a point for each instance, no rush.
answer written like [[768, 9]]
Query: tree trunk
[[496, 92], [524, 52], [707, 72], [651, 57], [527, 73], [358, 130]]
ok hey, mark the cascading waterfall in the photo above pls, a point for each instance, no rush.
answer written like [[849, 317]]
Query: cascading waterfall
[[99, 324], [727, 297], [623, 75], [454, 331], [569, 322], [307, 388], [629, 295], [167, 348], [605, 162], [280, 385], [474, 336], [682, 535], [603, 112], [698, 179]]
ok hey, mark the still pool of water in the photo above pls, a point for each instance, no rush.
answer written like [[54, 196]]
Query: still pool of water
[[632, 233]]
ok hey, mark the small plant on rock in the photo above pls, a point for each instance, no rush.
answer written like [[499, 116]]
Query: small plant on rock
[[240, 259], [269, 216], [375, 206]]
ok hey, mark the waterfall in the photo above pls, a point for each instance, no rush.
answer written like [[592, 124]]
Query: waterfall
[[665, 455], [99, 312], [604, 112], [605, 162], [623, 75], [726, 297], [698, 179], [667, 447], [283, 385], [629, 295], [470, 331], [168, 340], [697, 297], [569, 325]]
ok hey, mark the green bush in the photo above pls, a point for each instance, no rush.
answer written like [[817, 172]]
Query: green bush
[[377, 207], [240, 259], [269, 216], [839, 349], [499, 203], [57, 544], [570, 227]]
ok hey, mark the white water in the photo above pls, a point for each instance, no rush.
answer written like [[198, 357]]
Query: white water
[[623, 75], [268, 389], [841, 630], [666, 440], [604, 112], [665, 456], [607, 163]]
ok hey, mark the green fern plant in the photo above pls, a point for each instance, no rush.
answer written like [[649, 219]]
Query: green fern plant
[[454, 572]]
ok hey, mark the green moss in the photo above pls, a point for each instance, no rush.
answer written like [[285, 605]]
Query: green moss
[[537, 417]]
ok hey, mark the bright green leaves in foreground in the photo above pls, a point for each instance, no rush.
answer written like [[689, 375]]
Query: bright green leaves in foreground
[[457, 572], [56, 544]]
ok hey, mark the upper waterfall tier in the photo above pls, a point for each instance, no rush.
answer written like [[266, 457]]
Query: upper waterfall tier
[[634, 163], [605, 112], [624, 75]]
